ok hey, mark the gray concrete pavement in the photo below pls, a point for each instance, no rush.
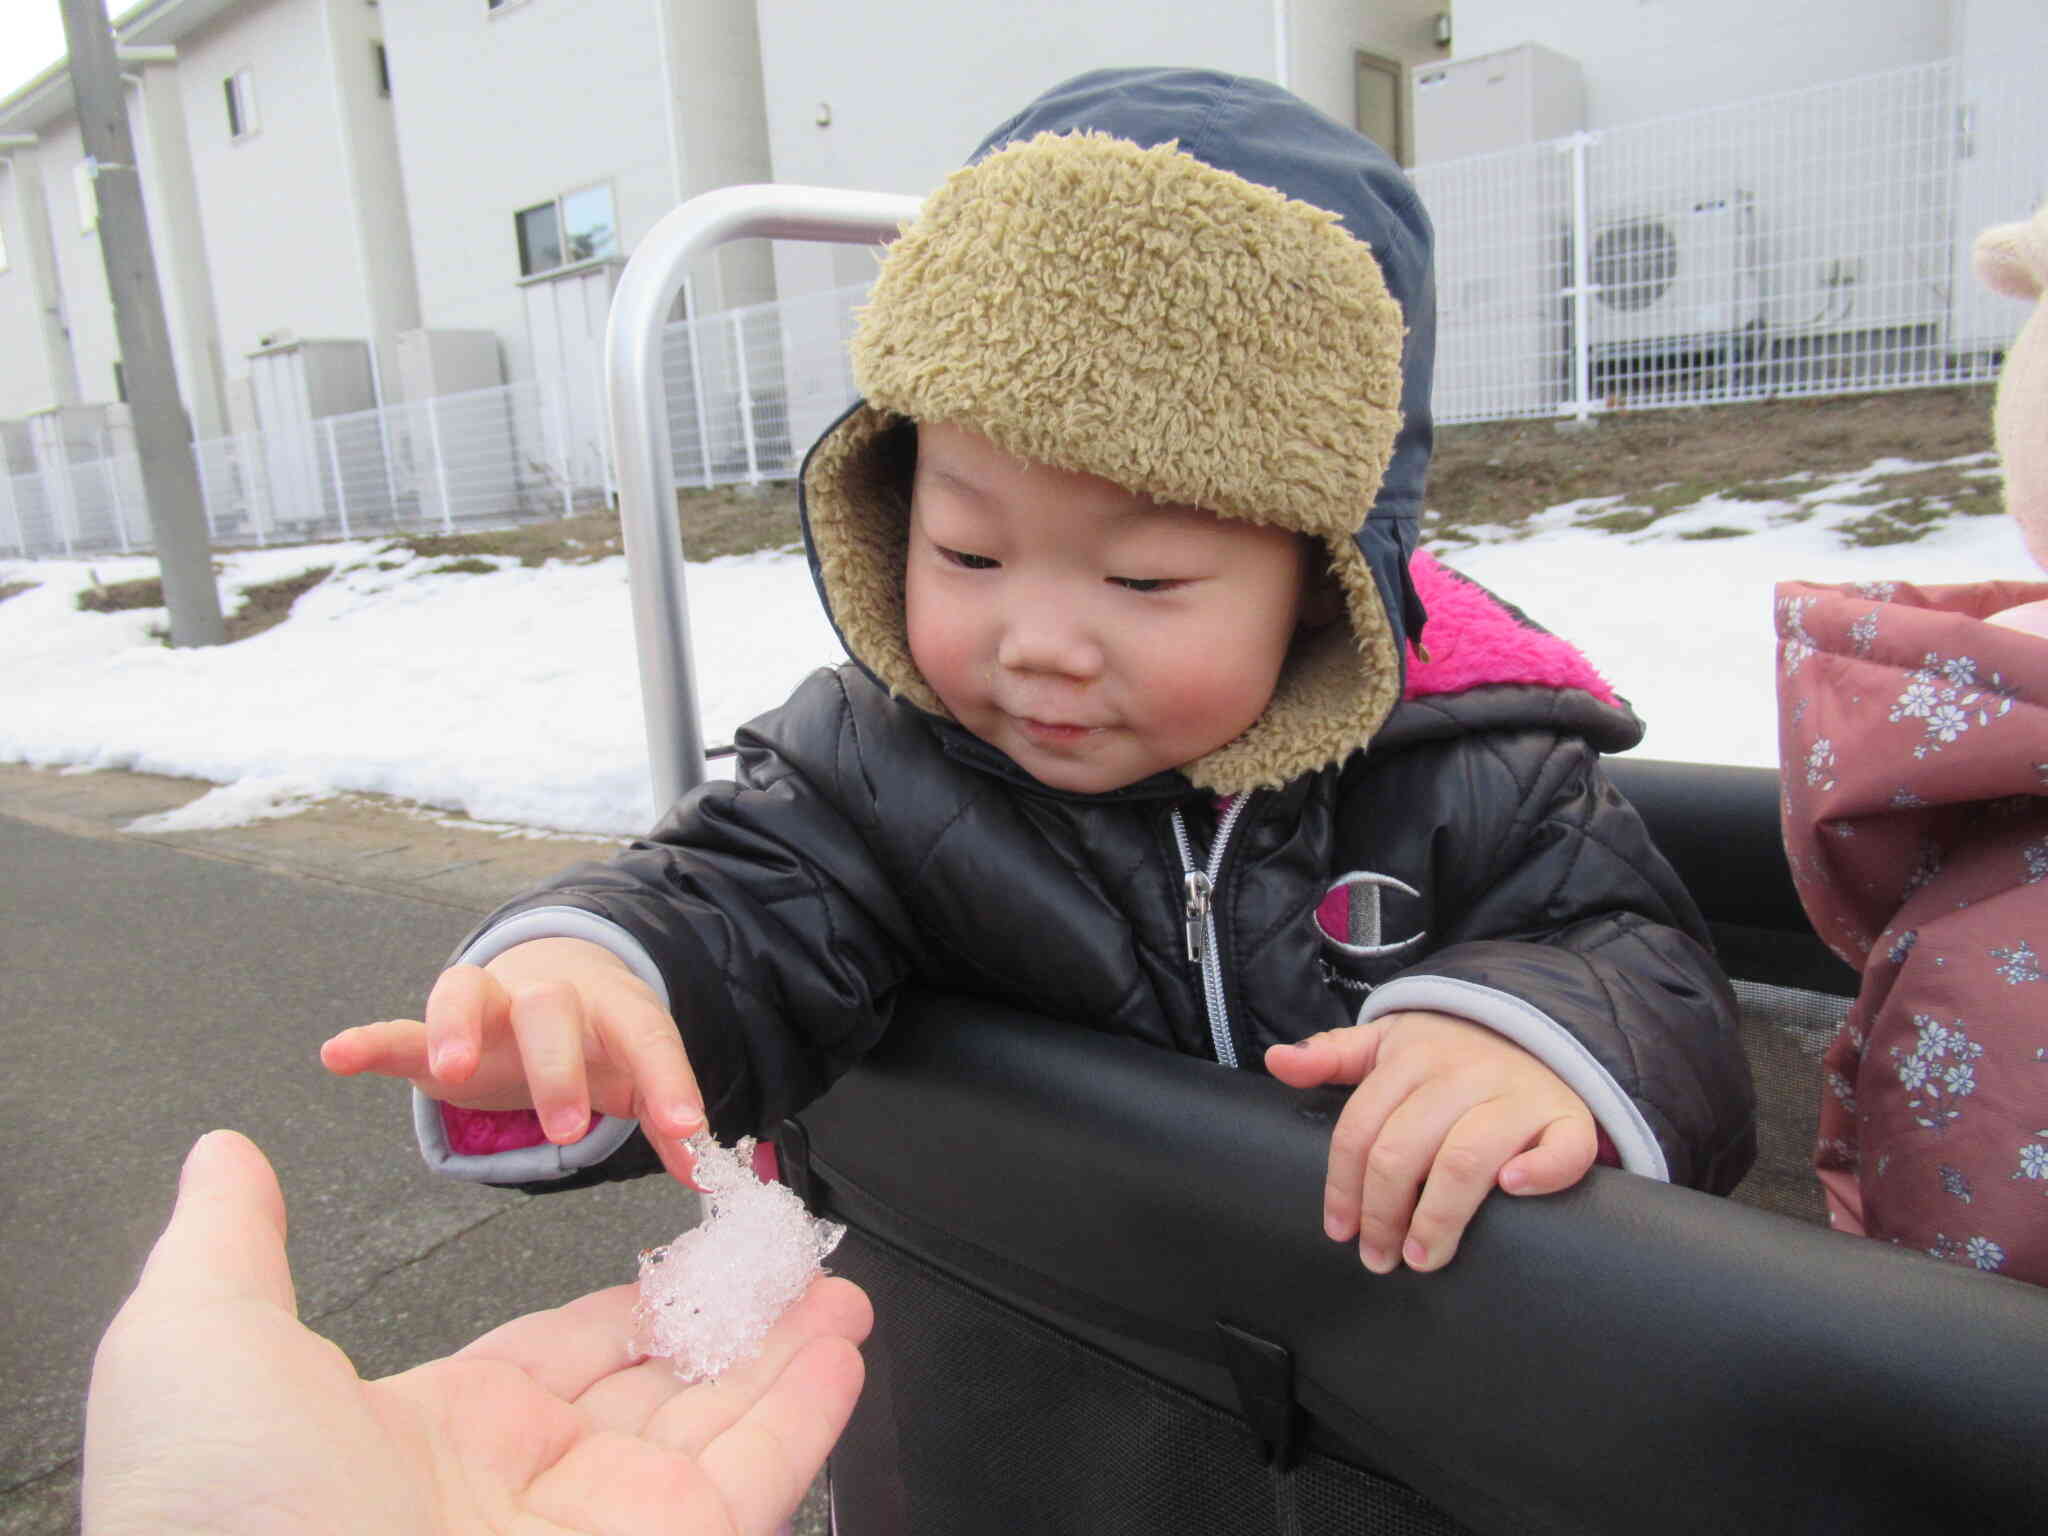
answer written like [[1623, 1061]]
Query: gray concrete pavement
[[152, 988]]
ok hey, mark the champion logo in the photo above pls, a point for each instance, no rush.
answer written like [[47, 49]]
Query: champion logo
[[1351, 915]]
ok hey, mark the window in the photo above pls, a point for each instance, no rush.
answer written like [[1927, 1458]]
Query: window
[[540, 239], [577, 226], [381, 63], [87, 195], [240, 89]]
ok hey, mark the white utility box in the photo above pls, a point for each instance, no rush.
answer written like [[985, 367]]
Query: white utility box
[[434, 363], [1495, 101]]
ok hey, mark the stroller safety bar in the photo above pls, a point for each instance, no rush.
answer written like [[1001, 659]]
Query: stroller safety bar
[[636, 400]]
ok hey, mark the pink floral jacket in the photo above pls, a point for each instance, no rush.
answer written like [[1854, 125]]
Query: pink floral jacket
[[1913, 740]]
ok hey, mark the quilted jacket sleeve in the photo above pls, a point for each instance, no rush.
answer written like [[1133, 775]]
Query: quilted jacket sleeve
[[760, 902], [1563, 927]]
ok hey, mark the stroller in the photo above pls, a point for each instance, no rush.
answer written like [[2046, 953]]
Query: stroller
[[1104, 1305]]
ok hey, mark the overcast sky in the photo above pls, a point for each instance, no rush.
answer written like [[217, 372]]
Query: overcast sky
[[31, 40]]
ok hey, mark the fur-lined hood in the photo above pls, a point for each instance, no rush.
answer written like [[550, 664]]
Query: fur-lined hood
[[1197, 287]]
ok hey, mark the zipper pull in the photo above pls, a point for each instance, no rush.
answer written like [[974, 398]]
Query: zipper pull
[[1197, 888]]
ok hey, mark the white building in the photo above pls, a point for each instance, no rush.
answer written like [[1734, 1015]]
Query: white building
[[540, 141], [270, 179], [894, 98], [1765, 198], [355, 203]]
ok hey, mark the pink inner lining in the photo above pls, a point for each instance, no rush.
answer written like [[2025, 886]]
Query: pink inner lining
[[481, 1132], [1474, 641]]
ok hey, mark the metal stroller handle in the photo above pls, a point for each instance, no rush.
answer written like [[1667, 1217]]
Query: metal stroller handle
[[636, 402]]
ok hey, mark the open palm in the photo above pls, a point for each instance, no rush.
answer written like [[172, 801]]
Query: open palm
[[213, 1407]]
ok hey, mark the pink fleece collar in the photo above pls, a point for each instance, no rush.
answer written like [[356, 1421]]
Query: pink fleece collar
[[1473, 641]]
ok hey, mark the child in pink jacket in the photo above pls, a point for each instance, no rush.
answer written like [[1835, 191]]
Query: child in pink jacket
[[1913, 737]]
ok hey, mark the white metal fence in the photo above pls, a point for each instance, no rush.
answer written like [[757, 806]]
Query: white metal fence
[[748, 389], [1810, 243], [1804, 244]]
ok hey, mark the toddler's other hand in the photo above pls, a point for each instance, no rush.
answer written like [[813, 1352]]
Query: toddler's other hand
[[558, 1025], [1445, 1110]]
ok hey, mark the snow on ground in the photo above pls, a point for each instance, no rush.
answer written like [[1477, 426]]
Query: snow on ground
[[512, 697]]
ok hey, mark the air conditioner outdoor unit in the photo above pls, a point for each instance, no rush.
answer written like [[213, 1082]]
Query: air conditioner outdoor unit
[[1684, 275]]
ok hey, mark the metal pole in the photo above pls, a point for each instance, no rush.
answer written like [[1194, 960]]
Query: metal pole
[[114, 487], [557, 394], [256, 477], [440, 466], [67, 492], [10, 512], [739, 358], [1582, 282], [691, 330], [205, 488], [163, 431], [340, 491], [636, 396]]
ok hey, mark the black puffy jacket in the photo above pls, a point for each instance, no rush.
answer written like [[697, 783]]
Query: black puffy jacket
[[1196, 287], [865, 844]]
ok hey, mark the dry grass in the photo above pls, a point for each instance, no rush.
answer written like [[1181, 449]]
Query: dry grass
[[270, 602], [1497, 474], [724, 520], [262, 606], [16, 588], [1492, 474]]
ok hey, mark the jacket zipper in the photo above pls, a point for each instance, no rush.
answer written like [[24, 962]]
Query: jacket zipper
[[1199, 917]]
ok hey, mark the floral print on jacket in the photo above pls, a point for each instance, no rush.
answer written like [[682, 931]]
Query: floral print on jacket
[[1914, 743]]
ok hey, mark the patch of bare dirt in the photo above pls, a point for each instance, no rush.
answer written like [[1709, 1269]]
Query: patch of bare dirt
[[1497, 474]]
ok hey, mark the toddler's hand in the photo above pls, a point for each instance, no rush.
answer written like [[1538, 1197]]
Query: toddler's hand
[[1445, 1110], [558, 1025]]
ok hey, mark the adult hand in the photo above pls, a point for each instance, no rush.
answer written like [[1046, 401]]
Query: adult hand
[[212, 1408]]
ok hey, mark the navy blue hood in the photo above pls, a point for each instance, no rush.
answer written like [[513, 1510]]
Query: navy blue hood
[[1254, 129]]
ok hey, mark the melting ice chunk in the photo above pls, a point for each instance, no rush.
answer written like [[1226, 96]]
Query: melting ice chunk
[[709, 1298]]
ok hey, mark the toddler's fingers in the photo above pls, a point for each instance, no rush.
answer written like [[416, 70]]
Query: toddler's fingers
[[643, 1039], [675, 1157], [391, 1048], [547, 1021], [1335, 1056], [1559, 1159], [466, 1002], [1352, 1140], [1460, 1178], [1397, 1163]]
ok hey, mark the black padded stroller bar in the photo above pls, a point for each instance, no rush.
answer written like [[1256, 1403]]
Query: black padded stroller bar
[[1718, 825], [1625, 1357]]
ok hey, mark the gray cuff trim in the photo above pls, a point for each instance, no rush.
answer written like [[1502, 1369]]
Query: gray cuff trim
[[1548, 1041], [537, 1164], [565, 923], [521, 1165]]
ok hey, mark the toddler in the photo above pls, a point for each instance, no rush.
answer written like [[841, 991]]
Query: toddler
[[1914, 736], [1139, 729]]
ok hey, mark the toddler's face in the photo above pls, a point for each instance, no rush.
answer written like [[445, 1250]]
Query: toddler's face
[[1095, 636]]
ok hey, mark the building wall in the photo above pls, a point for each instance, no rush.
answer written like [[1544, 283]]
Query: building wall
[[502, 109], [75, 258], [2003, 173], [38, 371], [156, 121], [1325, 40], [375, 187], [910, 97], [280, 222], [1654, 58]]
